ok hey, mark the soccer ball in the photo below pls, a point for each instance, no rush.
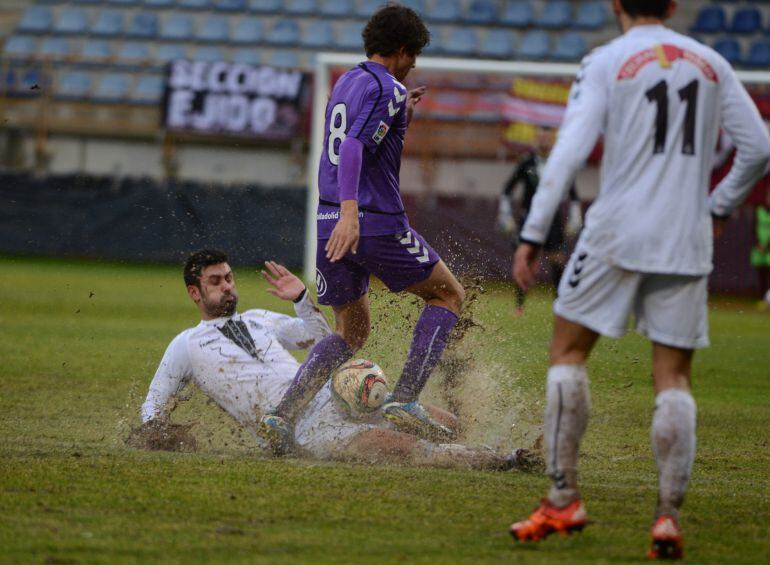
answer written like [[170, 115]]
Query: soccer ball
[[359, 387]]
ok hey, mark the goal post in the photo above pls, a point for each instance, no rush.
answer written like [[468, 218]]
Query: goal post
[[328, 63]]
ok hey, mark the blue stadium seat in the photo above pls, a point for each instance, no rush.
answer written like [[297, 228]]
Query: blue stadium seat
[[367, 7], [194, 4], [416, 5], [132, 51], [445, 11], [570, 46], [247, 56], [284, 59], [759, 54], [214, 29], [336, 8], [148, 89], [461, 41], [518, 13], [591, 15], [20, 46], [247, 31], [159, 3], [534, 45], [71, 21], [730, 49], [95, 50], [170, 52], [230, 5], [284, 32], [318, 34], [746, 20], [108, 23], [178, 27], [124, 2], [73, 85], [497, 43], [556, 14], [300, 7], [54, 47], [349, 38], [89, 2], [265, 6], [710, 19], [36, 19], [209, 53], [20, 82], [143, 24], [112, 87], [481, 12]]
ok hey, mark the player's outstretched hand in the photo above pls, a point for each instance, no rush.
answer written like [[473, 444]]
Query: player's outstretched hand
[[345, 234], [415, 95], [526, 262], [285, 285]]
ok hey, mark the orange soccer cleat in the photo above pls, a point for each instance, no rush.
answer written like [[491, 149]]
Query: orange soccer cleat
[[548, 519], [667, 539]]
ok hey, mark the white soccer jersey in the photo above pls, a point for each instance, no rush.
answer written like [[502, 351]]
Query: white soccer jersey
[[659, 99], [243, 364]]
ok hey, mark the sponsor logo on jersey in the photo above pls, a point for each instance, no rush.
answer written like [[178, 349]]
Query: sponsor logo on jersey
[[382, 131], [665, 55]]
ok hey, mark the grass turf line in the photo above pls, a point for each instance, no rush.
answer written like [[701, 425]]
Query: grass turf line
[[79, 342]]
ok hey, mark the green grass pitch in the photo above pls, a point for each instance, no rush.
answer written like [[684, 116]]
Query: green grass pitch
[[79, 342]]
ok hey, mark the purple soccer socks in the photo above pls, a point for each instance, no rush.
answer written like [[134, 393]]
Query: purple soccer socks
[[428, 343]]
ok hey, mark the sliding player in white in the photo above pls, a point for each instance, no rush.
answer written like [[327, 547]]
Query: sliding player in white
[[242, 362], [659, 99]]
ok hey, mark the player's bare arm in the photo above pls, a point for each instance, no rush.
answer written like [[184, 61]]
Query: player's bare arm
[[346, 233], [526, 262]]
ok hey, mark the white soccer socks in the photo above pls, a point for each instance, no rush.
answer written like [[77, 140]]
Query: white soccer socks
[[566, 415], [673, 443]]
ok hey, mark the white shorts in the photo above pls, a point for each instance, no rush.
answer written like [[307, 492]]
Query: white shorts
[[669, 309]]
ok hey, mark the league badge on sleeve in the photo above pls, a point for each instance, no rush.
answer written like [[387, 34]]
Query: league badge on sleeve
[[382, 131]]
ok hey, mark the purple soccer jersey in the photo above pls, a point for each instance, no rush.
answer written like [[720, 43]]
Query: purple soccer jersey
[[368, 103]]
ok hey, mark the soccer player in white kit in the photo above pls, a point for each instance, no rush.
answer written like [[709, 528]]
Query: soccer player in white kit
[[242, 362], [659, 99]]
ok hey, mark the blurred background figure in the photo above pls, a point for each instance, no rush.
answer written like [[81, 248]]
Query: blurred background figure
[[760, 253]]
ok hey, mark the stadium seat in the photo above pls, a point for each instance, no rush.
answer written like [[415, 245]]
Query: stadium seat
[[759, 54], [730, 49], [73, 85], [445, 11], [177, 27], [534, 45], [209, 53], [71, 21], [95, 50], [124, 2], [349, 38], [591, 15], [21, 82], [481, 12], [746, 20], [112, 87], [88, 2], [265, 6], [230, 5], [367, 7], [416, 5], [134, 51], [497, 43], [336, 8], [54, 48], [710, 19], [555, 15], [461, 41], [143, 24], [284, 59], [20, 46], [318, 34], [518, 13], [300, 7], [247, 31], [148, 89], [195, 4], [570, 46], [36, 19], [159, 3], [284, 32], [247, 56], [214, 29], [170, 52], [108, 23]]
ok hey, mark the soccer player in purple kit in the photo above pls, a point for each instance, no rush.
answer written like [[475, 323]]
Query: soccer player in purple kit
[[363, 230]]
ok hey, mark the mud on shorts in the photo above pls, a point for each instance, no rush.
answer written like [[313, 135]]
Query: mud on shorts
[[669, 309], [399, 261]]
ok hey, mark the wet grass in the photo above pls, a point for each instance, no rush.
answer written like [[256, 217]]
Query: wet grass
[[79, 342]]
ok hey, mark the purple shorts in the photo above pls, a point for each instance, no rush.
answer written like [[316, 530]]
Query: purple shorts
[[397, 260]]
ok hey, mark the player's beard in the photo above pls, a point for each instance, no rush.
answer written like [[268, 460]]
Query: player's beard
[[226, 305]]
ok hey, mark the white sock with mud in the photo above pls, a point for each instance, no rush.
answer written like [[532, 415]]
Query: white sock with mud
[[673, 443], [566, 415]]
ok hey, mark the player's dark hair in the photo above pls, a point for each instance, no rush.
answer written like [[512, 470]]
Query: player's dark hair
[[392, 27], [655, 8], [199, 260]]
